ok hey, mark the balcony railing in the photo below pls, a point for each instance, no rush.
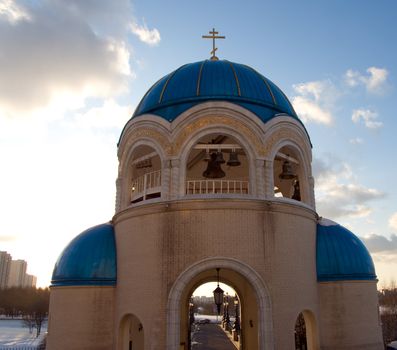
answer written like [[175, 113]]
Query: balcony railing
[[217, 186], [146, 186]]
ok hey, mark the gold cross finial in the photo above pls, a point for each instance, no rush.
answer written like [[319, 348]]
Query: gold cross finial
[[213, 36]]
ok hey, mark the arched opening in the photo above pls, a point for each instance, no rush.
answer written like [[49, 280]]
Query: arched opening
[[145, 179], [254, 299], [306, 337], [300, 333], [209, 323], [217, 164], [131, 333], [287, 174]]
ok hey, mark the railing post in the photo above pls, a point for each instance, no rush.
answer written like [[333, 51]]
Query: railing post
[[144, 186]]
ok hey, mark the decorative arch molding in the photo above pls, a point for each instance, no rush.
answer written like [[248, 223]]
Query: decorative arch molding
[[286, 131], [224, 115], [265, 330], [144, 133]]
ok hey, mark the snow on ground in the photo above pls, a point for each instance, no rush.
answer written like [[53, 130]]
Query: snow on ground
[[13, 334]]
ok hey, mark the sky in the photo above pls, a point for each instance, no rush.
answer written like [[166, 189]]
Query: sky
[[73, 71]]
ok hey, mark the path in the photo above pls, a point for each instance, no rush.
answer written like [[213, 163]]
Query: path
[[211, 337]]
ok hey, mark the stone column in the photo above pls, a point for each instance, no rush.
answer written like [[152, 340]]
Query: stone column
[[259, 191], [175, 179], [166, 180], [119, 196], [268, 179]]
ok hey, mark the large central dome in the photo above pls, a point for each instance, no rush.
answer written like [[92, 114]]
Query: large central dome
[[208, 80]]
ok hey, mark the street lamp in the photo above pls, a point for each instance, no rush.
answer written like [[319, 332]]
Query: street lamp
[[227, 319], [236, 326], [218, 294]]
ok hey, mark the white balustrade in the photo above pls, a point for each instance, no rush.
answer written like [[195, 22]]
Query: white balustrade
[[215, 186], [145, 185]]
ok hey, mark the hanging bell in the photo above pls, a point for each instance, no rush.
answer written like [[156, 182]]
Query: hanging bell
[[233, 159], [287, 173], [214, 170], [219, 157], [297, 192]]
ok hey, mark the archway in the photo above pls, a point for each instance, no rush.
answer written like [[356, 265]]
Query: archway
[[211, 325], [306, 337], [256, 321], [131, 333]]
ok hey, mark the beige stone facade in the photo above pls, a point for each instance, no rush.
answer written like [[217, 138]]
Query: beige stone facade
[[173, 229]]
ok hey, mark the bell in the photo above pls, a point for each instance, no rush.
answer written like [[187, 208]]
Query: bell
[[287, 173], [297, 192], [233, 159], [214, 170], [219, 157], [207, 156]]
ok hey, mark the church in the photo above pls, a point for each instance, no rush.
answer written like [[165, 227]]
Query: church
[[214, 184]]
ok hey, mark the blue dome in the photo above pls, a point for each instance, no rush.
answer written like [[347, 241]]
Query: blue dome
[[89, 259], [341, 256], [208, 80]]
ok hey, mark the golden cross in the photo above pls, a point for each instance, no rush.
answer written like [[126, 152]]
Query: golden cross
[[213, 37]]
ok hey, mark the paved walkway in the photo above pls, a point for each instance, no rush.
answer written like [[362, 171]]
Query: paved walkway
[[211, 337]]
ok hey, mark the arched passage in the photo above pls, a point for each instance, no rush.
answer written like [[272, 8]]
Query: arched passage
[[306, 336], [131, 334], [255, 300]]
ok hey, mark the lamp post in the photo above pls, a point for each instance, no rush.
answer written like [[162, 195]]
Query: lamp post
[[218, 294], [227, 320], [191, 321], [236, 326]]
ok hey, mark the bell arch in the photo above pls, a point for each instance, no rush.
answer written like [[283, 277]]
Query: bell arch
[[195, 274], [141, 173], [217, 132], [131, 333], [288, 155]]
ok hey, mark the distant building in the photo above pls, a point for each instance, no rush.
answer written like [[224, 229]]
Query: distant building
[[29, 281], [17, 274], [5, 263]]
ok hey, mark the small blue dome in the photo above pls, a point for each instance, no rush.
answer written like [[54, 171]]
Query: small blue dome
[[89, 259], [208, 80], [341, 256]]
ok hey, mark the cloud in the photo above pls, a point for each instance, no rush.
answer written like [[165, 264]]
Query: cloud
[[374, 81], [356, 141], [314, 100], [109, 115], [368, 117], [56, 54], [12, 11], [338, 193], [393, 221], [146, 35], [381, 244], [7, 238]]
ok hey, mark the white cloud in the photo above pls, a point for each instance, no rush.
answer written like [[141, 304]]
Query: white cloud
[[393, 221], [374, 81], [12, 11], [109, 115], [377, 243], [59, 58], [338, 193], [356, 141], [314, 100], [368, 117], [146, 35]]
